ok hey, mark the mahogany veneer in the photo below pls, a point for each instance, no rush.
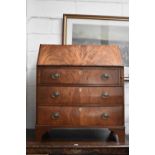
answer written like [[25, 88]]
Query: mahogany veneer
[[80, 75], [106, 96], [80, 86]]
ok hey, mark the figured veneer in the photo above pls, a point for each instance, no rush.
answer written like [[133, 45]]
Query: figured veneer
[[80, 116], [90, 96], [80, 75], [83, 55], [80, 86]]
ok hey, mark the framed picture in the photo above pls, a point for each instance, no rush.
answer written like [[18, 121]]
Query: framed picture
[[100, 30]]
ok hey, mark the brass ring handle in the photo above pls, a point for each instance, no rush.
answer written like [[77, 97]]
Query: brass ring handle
[[105, 115], [105, 76], [55, 76], [55, 94], [55, 115], [105, 95]]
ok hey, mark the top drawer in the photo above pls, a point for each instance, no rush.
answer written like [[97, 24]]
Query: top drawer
[[80, 75]]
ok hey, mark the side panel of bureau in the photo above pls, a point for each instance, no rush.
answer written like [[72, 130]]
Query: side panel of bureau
[[97, 96], [80, 116]]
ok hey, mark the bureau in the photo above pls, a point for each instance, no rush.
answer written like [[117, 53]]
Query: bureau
[[80, 86]]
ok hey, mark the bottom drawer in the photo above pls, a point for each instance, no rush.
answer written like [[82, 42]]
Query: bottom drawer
[[80, 116]]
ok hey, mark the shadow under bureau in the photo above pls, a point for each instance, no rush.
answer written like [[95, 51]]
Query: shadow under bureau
[[80, 86]]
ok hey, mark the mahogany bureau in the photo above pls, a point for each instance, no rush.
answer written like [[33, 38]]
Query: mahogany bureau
[[80, 86]]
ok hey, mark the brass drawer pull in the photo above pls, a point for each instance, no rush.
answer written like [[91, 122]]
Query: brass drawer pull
[[105, 95], [105, 115], [55, 94], [55, 115], [55, 76], [105, 76]]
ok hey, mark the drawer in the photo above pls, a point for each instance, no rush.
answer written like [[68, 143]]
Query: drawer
[[80, 116], [77, 75], [92, 96]]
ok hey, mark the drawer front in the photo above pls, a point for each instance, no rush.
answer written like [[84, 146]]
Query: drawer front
[[106, 116], [80, 116], [79, 76], [58, 116], [101, 96]]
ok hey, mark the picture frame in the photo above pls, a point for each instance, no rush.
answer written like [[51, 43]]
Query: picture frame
[[100, 30]]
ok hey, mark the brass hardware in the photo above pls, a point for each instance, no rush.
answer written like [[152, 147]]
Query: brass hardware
[[105, 116], [55, 76], [55, 94], [55, 115], [105, 94], [105, 76]]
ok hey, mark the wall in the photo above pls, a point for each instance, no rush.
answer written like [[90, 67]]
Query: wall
[[44, 25]]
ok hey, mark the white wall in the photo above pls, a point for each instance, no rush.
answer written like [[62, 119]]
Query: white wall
[[44, 25]]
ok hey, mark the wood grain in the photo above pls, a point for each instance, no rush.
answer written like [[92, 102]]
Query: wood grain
[[80, 75], [76, 73], [79, 55], [90, 96], [80, 116]]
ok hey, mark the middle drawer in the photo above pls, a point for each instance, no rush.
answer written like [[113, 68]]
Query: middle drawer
[[103, 96]]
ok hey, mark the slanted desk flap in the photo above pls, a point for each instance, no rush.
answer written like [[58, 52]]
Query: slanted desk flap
[[79, 55]]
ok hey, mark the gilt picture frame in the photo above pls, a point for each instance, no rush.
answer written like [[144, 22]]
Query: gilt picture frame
[[100, 30]]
